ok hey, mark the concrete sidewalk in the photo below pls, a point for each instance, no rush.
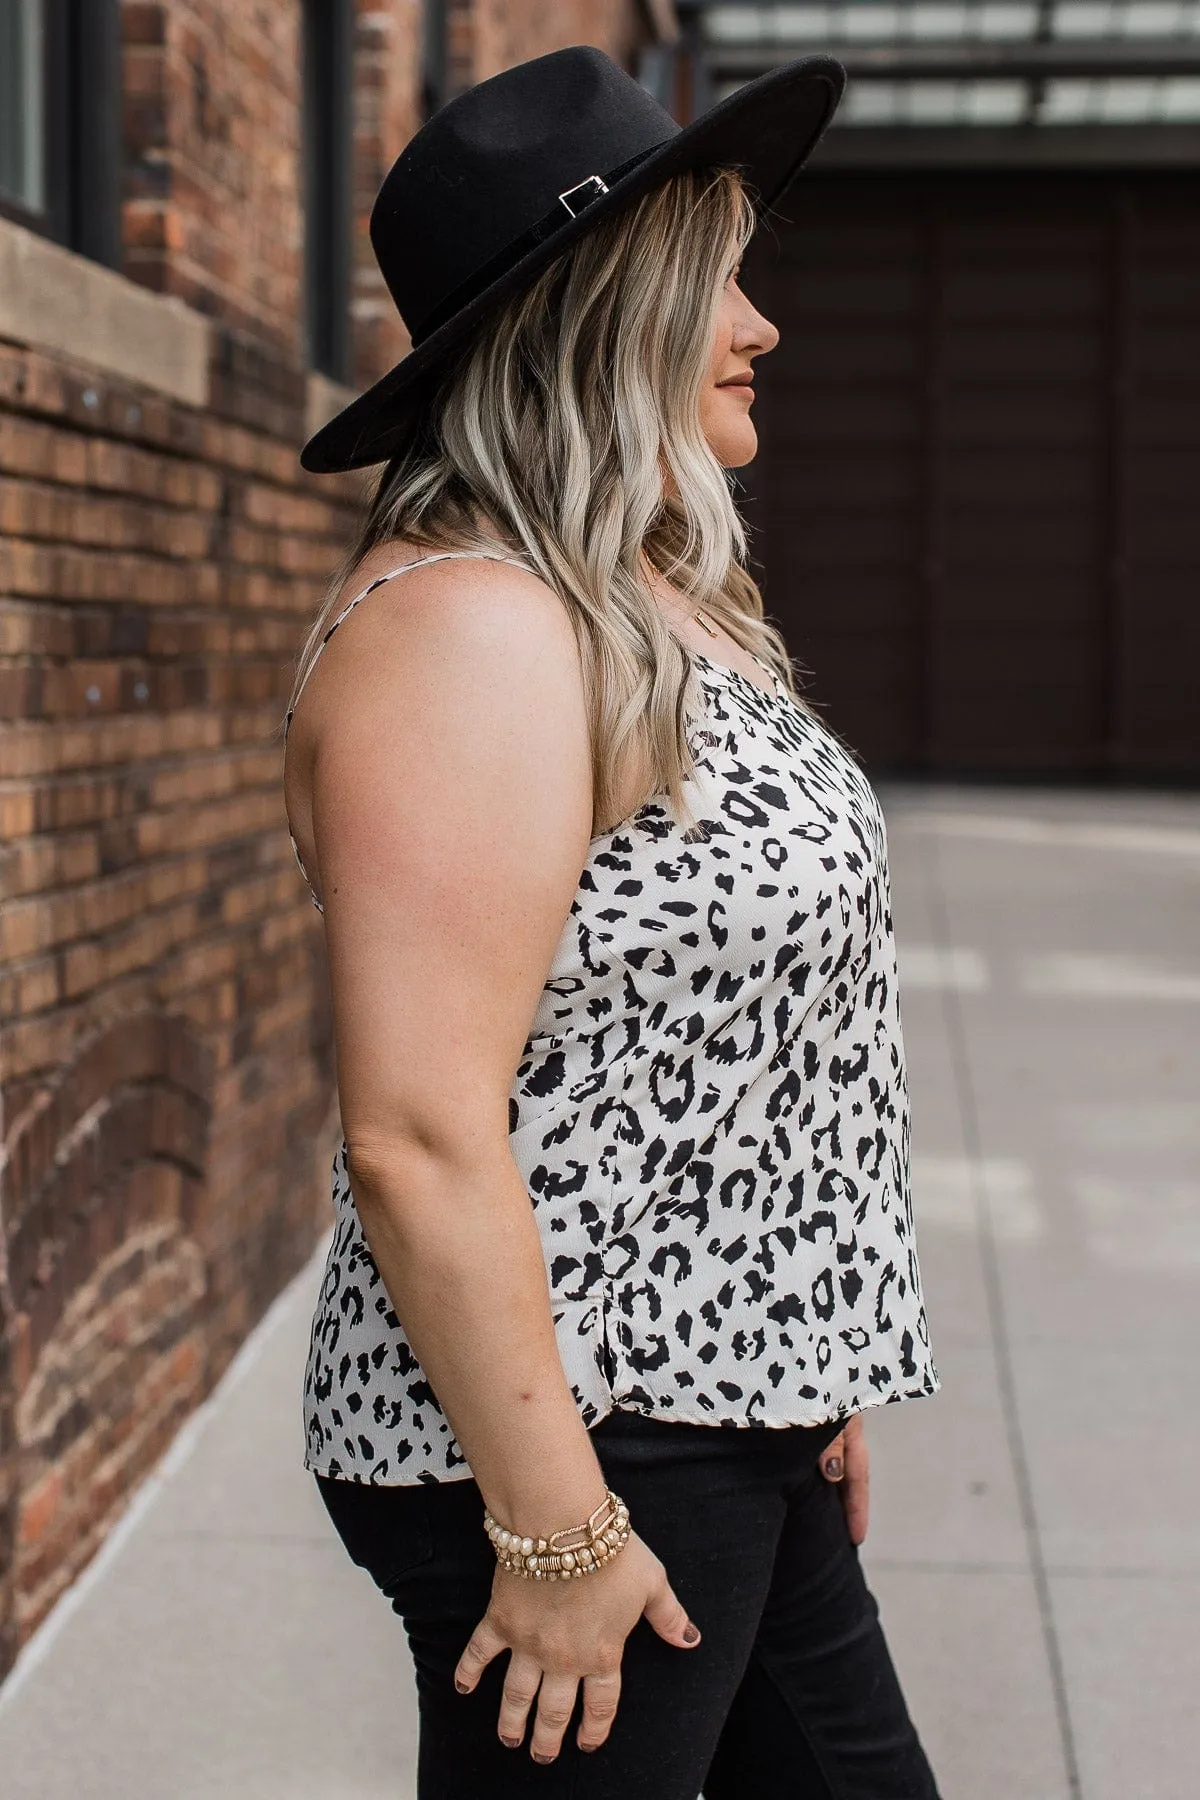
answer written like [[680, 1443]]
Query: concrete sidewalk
[[1033, 1544]]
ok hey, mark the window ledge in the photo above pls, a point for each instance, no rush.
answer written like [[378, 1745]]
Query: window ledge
[[53, 299]]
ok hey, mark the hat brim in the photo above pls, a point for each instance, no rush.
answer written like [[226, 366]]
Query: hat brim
[[767, 128]]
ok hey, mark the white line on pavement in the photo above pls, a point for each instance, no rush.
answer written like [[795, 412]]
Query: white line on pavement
[[1070, 975], [932, 966], [947, 1191]]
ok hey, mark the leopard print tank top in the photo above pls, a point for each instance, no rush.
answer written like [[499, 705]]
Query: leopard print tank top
[[710, 1114]]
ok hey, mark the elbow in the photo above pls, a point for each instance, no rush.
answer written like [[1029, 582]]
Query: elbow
[[383, 1171], [402, 1175]]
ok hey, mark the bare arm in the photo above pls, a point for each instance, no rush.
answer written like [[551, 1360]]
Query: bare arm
[[451, 819]]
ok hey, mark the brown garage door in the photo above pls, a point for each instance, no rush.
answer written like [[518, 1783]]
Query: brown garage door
[[977, 499]]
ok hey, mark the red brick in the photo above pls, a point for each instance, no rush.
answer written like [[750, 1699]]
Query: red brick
[[40, 1508]]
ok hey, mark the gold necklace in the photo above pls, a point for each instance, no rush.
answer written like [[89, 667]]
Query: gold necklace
[[703, 619]]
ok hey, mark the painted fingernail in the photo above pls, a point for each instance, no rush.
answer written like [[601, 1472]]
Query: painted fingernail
[[540, 1759], [461, 1686], [833, 1469], [511, 1743], [690, 1635]]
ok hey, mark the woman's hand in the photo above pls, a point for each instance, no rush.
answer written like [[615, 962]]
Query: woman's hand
[[847, 1460], [564, 1632]]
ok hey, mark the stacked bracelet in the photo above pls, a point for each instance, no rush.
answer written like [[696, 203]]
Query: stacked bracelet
[[576, 1550]]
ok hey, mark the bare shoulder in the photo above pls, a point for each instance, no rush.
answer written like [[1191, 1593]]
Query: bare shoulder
[[458, 675], [456, 591], [436, 615]]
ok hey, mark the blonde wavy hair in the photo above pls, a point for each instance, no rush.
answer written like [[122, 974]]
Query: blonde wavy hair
[[568, 433]]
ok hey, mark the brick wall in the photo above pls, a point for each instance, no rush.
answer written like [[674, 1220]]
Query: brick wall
[[212, 133], [167, 1094], [489, 35], [166, 1060]]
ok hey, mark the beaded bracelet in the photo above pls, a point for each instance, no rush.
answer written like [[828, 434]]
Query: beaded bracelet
[[576, 1550]]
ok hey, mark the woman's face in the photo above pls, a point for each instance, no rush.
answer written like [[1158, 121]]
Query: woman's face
[[740, 335]]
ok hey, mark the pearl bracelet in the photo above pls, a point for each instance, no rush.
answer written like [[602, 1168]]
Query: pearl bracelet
[[576, 1550]]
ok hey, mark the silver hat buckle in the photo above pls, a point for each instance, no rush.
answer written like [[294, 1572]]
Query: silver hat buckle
[[583, 193]]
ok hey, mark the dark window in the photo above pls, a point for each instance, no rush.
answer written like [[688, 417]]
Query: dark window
[[60, 125], [22, 106], [328, 181], [434, 57]]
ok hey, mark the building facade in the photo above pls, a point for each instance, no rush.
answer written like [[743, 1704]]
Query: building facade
[[186, 292], [977, 495]]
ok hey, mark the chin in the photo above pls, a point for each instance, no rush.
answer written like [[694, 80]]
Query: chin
[[736, 450]]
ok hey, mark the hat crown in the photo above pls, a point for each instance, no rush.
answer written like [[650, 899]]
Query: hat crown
[[492, 163]]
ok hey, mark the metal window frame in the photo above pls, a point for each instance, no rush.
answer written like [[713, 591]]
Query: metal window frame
[[81, 114], [890, 148], [969, 60], [1035, 61], [328, 169]]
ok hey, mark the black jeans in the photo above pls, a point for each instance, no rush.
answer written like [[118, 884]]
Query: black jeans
[[791, 1691]]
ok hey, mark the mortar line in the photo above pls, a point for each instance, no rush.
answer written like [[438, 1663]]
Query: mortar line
[[1001, 1336]]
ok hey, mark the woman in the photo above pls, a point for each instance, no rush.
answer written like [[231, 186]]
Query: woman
[[623, 1242]]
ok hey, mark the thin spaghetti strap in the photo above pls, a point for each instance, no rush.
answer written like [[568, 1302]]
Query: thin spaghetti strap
[[776, 677], [439, 556]]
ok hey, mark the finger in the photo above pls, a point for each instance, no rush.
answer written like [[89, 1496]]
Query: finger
[[556, 1703], [516, 1698], [668, 1615], [484, 1643], [858, 1485], [600, 1696], [833, 1458]]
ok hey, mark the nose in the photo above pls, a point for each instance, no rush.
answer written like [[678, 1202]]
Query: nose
[[755, 333], [767, 334]]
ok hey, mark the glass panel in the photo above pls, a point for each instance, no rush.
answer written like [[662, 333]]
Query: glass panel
[[22, 175], [870, 103], [1128, 102], [935, 103], [774, 32], [1155, 21], [938, 21], [1009, 22], [1126, 19], [1073, 20], [771, 24], [1171, 100], [996, 102], [1181, 99], [916, 22], [870, 24], [1067, 103]]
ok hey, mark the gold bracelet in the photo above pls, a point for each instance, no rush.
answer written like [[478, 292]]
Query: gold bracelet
[[576, 1550]]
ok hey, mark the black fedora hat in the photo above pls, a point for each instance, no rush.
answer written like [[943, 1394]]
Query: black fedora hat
[[517, 168]]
